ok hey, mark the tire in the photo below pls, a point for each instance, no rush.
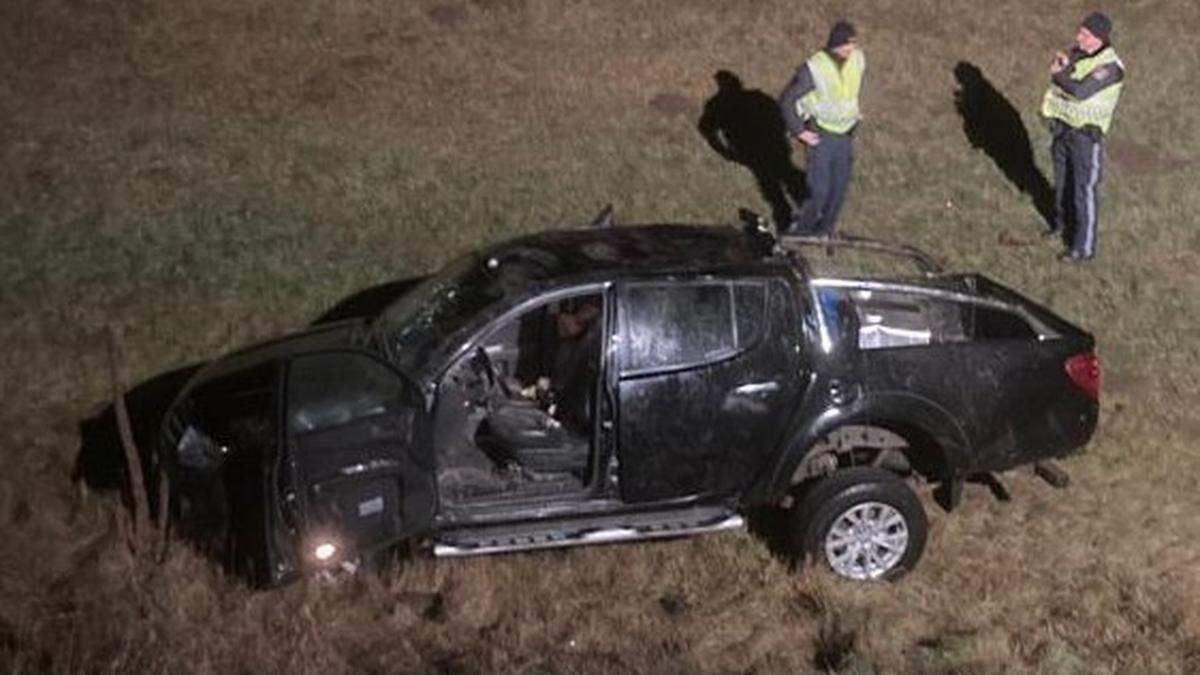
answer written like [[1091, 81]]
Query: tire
[[863, 523]]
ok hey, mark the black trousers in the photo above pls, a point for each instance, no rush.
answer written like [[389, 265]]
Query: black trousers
[[1078, 168], [828, 168]]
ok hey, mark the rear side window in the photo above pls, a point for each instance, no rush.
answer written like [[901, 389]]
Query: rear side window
[[902, 319], [997, 324], [688, 324], [887, 319]]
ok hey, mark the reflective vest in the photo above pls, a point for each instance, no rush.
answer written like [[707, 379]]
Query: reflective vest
[[1097, 110], [833, 103]]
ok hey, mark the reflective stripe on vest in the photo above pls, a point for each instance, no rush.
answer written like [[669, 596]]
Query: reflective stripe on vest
[[833, 103], [1097, 110]]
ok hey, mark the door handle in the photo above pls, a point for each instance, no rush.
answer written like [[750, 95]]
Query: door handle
[[610, 407], [756, 388]]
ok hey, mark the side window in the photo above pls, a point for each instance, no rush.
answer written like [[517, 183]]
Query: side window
[[997, 324], [750, 311], [902, 319], [237, 411], [336, 388], [886, 319], [688, 324]]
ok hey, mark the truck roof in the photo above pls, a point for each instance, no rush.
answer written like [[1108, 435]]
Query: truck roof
[[559, 254]]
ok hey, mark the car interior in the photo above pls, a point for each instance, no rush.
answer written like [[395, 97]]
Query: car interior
[[516, 413]]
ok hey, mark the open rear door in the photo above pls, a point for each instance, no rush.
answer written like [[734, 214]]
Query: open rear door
[[357, 475]]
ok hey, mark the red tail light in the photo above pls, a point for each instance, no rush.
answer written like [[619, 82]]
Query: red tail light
[[1084, 371]]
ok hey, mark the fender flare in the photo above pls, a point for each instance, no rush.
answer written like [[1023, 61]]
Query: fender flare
[[884, 409]]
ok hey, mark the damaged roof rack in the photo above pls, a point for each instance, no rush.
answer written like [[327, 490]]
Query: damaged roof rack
[[927, 264], [754, 223]]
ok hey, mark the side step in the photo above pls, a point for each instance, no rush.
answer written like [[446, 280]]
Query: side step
[[580, 532]]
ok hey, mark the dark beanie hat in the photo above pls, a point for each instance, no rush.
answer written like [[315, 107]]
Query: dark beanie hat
[[841, 33], [1098, 24]]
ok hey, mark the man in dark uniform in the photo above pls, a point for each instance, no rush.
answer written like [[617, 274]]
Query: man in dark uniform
[[820, 106], [1085, 84]]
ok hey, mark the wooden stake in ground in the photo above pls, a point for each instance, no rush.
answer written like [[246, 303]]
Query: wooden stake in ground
[[133, 461], [164, 503]]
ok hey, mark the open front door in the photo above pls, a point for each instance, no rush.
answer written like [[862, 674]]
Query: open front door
[[357, 475]]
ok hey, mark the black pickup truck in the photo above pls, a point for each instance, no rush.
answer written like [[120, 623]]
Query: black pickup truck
[[627, 383]]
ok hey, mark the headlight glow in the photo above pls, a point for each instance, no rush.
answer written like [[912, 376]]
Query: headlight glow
[[324, 551]]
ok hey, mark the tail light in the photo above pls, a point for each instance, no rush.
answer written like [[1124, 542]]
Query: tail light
[[1084, 371]]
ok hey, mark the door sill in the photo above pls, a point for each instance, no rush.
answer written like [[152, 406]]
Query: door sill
[[602, 529]]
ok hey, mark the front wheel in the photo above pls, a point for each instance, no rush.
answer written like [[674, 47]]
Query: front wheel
[[864, 522]]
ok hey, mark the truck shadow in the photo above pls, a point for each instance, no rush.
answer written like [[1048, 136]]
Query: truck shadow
[[772, 526], [745, 126], [368, 302], [100, 463], [994, 125]]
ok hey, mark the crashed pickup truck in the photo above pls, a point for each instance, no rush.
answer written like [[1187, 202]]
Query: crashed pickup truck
[[629, 383]]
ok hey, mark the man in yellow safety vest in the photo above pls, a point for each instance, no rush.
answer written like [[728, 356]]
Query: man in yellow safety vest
[[1085, 83], [820, 107]]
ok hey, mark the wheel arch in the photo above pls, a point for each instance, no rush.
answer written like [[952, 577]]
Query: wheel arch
[[900, 431]]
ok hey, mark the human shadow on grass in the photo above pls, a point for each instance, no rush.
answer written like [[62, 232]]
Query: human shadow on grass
[[994, 125], [745, 126], [369, 302]]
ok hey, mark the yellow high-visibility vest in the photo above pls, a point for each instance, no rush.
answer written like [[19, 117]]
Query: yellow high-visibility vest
[[833, 103], [1098, 109]]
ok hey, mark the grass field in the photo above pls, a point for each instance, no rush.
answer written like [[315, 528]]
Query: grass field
[[200, 175]]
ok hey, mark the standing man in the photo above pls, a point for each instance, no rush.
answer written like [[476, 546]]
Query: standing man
[[1085, 84], [820, 106]]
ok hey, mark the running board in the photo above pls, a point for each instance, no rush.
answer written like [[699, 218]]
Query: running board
[[603, 530]]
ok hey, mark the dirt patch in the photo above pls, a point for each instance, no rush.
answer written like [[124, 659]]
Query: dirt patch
[[41, 178], [1189, 428], [1006, 238], [1138, 158], [671, 104], [499, 4], [319, 89], [448, 15], [362, 63]]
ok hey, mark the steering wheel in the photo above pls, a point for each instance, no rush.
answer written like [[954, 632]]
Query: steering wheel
[[482, 362]]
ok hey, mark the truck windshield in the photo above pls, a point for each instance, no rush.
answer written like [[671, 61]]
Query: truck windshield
[[413, 328]]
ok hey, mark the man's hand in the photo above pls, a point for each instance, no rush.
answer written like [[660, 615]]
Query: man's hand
[[1060, 62], [809, 137]]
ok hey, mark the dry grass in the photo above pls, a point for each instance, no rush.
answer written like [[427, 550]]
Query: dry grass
[[202, 174]]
